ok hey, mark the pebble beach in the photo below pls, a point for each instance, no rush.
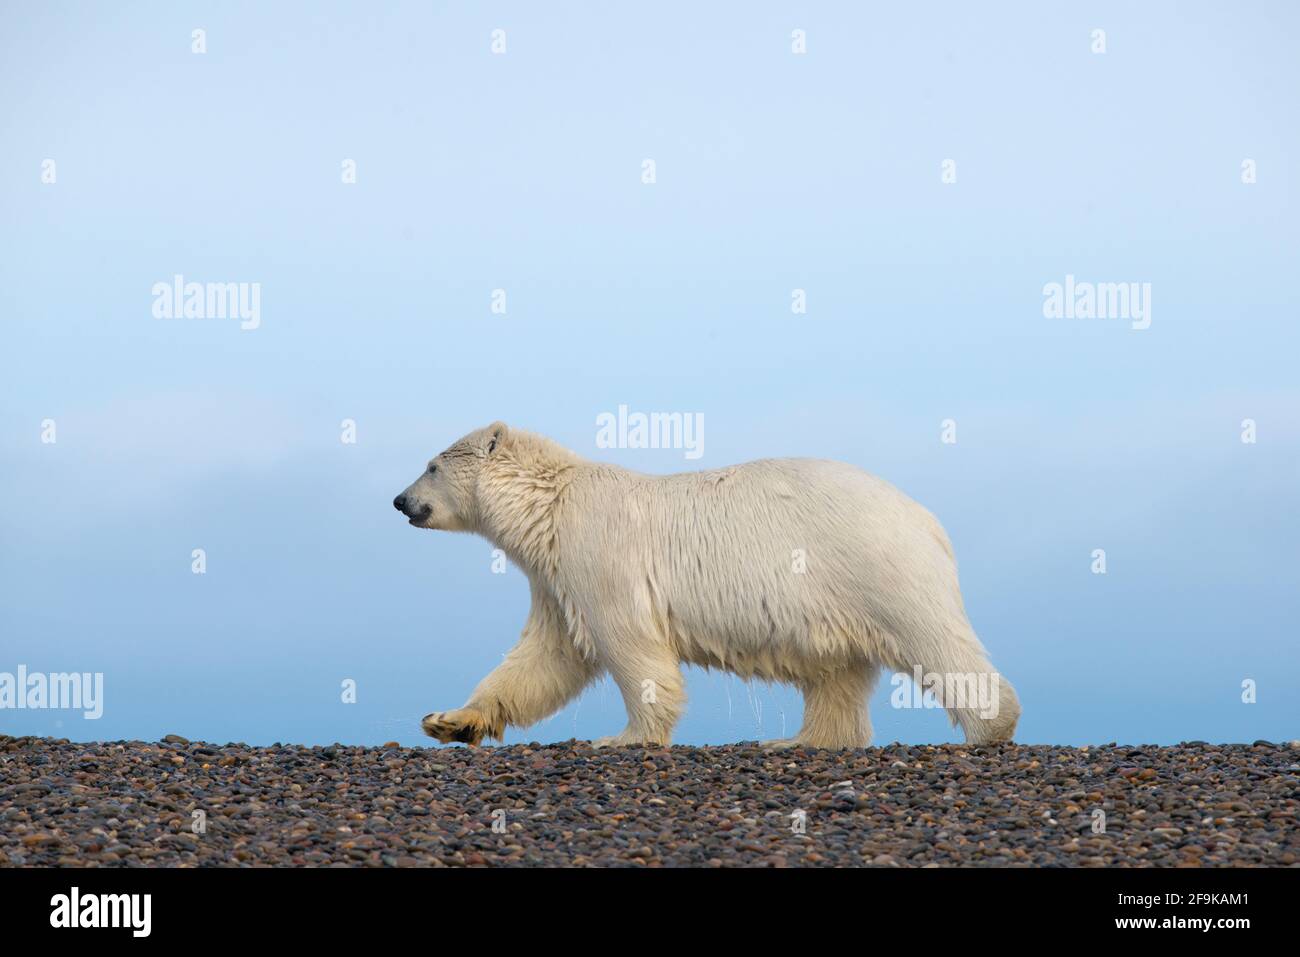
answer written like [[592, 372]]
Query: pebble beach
[[178, 803]]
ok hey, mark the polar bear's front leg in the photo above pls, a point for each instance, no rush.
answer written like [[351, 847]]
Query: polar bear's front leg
[[649, 677], [541, 674], [465, 725]]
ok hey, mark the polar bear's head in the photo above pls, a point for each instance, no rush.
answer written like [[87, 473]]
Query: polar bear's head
[[445, 496]]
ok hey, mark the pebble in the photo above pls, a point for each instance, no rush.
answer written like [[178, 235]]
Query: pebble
[[132, 804]]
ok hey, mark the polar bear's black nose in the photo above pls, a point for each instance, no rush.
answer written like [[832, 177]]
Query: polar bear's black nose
[[399, 503]]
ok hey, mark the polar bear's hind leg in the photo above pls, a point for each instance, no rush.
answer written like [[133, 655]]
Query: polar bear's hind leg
[[975, 695], [835, 708]]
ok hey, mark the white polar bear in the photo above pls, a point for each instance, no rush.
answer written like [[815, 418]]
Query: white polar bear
[[802, 571]]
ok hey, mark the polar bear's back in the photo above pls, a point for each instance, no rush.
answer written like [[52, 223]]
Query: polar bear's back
[[831, 509], [768, 566]]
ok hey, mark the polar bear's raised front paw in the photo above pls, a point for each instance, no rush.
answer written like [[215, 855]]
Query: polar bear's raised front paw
[[461, 724]]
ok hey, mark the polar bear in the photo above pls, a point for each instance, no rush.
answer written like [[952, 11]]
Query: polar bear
[[807, 572]]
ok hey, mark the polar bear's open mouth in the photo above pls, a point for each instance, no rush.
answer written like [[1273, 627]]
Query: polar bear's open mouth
[[420, 517]]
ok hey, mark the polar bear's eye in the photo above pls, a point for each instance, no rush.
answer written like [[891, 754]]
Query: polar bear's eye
[[432, 469]]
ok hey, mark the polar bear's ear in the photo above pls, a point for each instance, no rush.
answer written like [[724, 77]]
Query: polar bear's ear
[[497, 433]]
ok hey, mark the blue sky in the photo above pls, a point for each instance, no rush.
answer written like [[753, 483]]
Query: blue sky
[[522, 171]]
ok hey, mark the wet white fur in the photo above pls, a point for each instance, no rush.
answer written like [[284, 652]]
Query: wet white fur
[[634, 575]]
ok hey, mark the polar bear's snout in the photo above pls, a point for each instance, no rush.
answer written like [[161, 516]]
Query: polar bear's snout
[[417, 513]]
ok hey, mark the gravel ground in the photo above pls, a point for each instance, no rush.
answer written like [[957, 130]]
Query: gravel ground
[[133, 803]]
